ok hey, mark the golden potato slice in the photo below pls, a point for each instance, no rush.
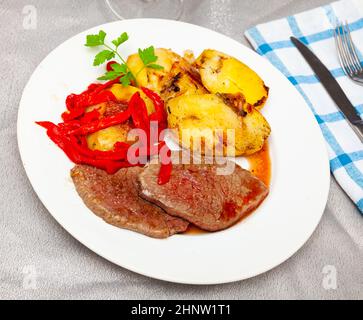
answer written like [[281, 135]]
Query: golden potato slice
[[105, 139], [181, 81], [151, 78], [203, 123], [124, 94], [222, 73], [189, 56]]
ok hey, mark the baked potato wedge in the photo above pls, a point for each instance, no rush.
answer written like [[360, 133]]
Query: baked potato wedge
[[152, 78], [105, 139], [181, 81], [202, 123], [222, 73]]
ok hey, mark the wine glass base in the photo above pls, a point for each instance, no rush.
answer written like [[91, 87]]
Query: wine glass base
[[162, 9]]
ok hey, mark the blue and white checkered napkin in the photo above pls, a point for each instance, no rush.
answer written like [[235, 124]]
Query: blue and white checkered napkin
[[315, 28]]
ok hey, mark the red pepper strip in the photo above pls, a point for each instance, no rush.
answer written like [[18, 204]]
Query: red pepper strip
[[100, 97], [159, 114], [110, 167], [77, 103], [90, 116], [155, 98], [69, 125], [77, 106], [74, 124], [117, 154], [95, 88], [83, 141], [109, 65], [71, 115], [74, 100], [120, 145], [139, 114], [165, 169], [92, 87], [101, 124], [108, 84], [117, 147], [55, 134]]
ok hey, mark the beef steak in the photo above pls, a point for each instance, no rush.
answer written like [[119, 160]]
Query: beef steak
[[115, 199], [197, 194]]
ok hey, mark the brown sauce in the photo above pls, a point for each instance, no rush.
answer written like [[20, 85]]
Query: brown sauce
[[193, 230], [260, 166]]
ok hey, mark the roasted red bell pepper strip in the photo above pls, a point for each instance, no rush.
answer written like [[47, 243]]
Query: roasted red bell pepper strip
[[101, 124], [90, 116], [56, 135], [71, 115], [69, 125], [77, 103], [109, 65], [83, 99], [155, 98], [100, 97], [139, 113], [79, 155], [159, 114], [110, 167], [119, 153], [97, 87], [165, 169], [70, 135], [83, 117]]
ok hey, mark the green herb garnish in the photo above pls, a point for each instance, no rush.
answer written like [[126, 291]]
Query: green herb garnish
[[120, 69]]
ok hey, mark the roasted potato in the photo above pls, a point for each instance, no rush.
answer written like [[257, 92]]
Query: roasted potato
[[148, 77], [151, 78], [105, 139], [224, 74], [189, 56], [181, 81], [202, 123]]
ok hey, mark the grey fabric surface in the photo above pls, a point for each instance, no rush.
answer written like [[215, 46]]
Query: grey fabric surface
[[38, 259]]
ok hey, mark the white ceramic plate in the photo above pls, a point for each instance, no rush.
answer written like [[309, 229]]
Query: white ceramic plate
[[274, 232]]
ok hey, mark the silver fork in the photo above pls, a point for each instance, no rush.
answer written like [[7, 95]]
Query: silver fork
[[347, 53]]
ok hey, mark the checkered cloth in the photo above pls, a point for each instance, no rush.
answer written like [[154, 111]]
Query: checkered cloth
[[315, 28]]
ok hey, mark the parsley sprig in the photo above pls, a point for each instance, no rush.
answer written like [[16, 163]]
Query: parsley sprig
[[120, 69]]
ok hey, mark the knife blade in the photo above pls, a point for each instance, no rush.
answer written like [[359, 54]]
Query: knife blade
[[331, 86]]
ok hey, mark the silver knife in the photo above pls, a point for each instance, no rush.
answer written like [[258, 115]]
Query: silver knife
[[332, 87]]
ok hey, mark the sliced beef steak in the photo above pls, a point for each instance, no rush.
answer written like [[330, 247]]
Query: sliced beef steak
[[197, 194], [115, 199]]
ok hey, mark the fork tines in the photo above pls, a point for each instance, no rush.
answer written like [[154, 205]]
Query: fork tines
[[347, 52]]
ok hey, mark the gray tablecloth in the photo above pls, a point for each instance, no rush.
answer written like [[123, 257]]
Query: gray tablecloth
[[38, 259]]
